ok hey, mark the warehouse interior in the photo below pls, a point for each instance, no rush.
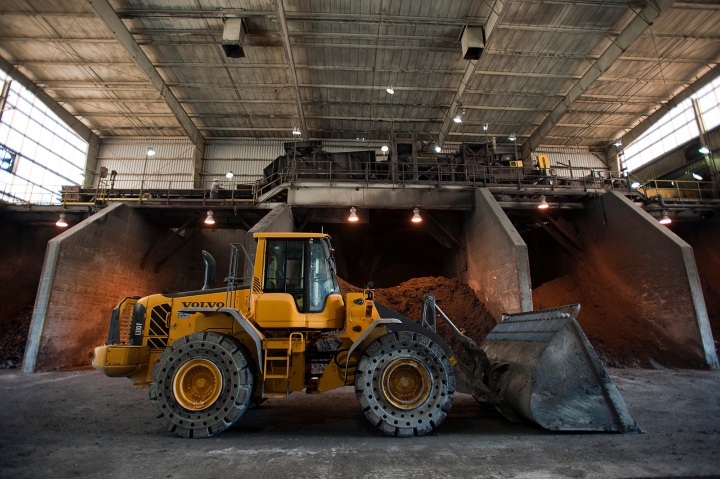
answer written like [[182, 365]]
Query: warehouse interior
[[507, 156]]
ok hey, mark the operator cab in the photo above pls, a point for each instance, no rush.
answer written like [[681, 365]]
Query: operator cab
[[299, 282]]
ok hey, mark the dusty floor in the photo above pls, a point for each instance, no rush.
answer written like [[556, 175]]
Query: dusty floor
[[83, 424]]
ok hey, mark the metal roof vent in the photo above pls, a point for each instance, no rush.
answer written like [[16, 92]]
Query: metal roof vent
[[233, 37], [473, 43]]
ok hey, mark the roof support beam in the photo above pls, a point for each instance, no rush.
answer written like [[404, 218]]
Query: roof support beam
[[118, 28], [635, 28], [77, 126], [280, 9], [493, 19], [643, 126]]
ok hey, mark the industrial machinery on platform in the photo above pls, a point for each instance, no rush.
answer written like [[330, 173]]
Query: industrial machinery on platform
[[208, 356]]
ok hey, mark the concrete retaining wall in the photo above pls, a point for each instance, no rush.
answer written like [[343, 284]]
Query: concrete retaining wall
[[89, 268], [704, 237], [498, 268], [634, 256]]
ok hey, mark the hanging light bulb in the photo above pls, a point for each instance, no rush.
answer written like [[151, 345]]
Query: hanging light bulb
[[353, 215], [416, 216], [512, 137], [150, 151], [697, 177], [384, 148], [296, 131], [543, 204], [61, 223], [665, 219], [438, 149], [229, 175], [617, 143], [209, 220], [485, 127], [457, 119], [390, 90]]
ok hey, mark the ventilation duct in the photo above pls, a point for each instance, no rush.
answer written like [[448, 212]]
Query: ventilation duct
[[473, 43], [233, 37]]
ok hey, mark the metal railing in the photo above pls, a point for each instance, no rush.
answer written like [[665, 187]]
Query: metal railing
[[435, 173], [682, 190]]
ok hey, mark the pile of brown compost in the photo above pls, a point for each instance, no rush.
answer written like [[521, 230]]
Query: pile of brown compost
[[455, 298], [13, 337], [611, 321]]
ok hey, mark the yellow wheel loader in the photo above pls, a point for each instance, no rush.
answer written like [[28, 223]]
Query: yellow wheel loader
[[208, 356]]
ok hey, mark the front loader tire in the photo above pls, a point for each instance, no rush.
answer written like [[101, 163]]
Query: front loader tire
[[202, 384], [405, 383]]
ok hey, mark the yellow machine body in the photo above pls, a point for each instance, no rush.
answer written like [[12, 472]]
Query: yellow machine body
[[285, 327]]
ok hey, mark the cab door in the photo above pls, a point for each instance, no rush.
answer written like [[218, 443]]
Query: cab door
[[283, 301]]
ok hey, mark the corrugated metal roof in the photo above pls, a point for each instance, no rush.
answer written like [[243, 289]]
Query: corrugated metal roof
[[347, 53]]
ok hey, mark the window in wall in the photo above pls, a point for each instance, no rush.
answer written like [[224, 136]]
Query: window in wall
[[709, 102], [678, 126], [48, 153]]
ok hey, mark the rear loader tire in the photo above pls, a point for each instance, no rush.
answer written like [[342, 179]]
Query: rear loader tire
[[405, 383], [202, 384]]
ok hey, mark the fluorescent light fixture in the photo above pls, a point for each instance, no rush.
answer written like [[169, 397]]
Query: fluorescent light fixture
[[416, 216], [150, 151], [438, 149], [635, 185], [61, 223], [697, 177], [704, 150], [296, 131], [209, 220], [384, 148], [617, 143], [543, 204], [390, 90], [229, 175], [665, 219], [353, 215]]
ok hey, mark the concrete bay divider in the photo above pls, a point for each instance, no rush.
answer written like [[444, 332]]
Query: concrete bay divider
[[498, 268], [90, 267], [646, 262]]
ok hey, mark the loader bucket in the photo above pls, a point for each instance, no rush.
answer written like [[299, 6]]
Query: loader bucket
[[545, 370]]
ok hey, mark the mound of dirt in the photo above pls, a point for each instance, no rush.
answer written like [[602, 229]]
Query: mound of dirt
[[611, 323], [13, 338], [455, 298]]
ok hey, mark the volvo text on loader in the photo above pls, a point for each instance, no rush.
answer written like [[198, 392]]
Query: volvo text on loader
[[208, 356]]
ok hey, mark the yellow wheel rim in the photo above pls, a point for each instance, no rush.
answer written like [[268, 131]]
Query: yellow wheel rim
[[197, 384], [406, 383]]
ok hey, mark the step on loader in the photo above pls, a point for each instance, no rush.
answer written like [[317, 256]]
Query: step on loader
[[208, 356]]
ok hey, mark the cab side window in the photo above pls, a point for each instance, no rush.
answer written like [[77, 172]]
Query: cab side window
[[285, 269], [322, 280]]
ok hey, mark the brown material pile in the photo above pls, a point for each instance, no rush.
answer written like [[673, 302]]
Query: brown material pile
[[611, 321], [13, 338], [455, 298]]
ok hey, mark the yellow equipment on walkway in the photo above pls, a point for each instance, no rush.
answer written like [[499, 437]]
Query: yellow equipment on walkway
[[209, 355]]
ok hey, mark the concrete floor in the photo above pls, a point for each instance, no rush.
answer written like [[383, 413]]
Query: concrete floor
[[83, 424]]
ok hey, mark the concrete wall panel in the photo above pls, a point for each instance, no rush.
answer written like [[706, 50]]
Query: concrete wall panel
[[498, 269], [654, 270], [89, 268]]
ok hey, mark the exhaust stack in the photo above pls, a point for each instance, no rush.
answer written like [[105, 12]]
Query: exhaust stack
[[210, 268]]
